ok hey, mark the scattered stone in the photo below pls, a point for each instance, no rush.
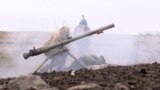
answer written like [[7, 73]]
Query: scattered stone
[[143, 71], [27, 82], [106, 78], [120, 86], [89, 86], [73, 73]]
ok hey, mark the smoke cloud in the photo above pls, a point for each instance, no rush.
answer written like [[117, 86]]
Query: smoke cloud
[[117, 50]]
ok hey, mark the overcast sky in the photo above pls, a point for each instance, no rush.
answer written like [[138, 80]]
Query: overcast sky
[[129, 16]]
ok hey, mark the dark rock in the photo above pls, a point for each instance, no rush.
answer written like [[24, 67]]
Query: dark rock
[[143, 71]]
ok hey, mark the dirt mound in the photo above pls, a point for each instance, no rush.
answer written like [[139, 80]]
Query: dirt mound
[[137, 77]]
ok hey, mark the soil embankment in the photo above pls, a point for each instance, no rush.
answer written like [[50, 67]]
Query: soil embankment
[[137, 77]]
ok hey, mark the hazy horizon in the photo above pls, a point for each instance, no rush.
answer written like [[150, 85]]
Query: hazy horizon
[[129, 16]]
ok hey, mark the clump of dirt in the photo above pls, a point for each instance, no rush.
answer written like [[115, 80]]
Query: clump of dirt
[[137, 77]]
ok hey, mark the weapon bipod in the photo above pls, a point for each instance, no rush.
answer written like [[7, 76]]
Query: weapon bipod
[[71, 55]]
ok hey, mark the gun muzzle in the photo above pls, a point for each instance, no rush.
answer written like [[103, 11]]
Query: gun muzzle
[[26, 55]]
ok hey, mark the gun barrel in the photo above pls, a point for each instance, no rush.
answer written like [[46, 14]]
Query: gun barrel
[[34, 52]]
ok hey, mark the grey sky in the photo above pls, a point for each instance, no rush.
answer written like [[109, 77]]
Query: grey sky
[[129, 16]]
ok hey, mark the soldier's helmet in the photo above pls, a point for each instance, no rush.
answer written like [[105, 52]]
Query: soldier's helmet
[[83, 21]]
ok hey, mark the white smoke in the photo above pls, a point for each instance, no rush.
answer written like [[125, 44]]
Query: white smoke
[[117, 49]]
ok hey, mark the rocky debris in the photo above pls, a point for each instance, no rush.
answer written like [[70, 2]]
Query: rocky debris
[[73, 73], [136, 77], [89, 86], [120, 86], [88, 60], [29, 82]]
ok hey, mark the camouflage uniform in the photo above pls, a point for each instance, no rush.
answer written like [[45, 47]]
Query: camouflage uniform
[[58, 55]]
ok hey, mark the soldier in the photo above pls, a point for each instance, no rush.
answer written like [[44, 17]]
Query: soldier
[[58, 55], [83, 44]]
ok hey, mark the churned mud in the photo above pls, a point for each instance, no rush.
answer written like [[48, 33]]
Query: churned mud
[[137, 77]]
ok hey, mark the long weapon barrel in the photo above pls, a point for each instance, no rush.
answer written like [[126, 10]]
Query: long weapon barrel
[[34, 52]]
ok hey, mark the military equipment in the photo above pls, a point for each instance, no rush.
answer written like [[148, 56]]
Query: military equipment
[[44, 49]]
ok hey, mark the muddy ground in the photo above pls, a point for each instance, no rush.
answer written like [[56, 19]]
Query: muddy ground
[[137, 77]]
